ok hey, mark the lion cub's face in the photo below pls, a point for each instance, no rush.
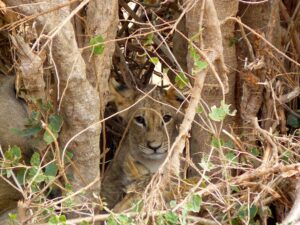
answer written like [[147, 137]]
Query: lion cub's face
[[152, 122]]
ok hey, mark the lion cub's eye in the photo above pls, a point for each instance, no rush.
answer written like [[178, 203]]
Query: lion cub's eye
[[140, 120], [167, 118]]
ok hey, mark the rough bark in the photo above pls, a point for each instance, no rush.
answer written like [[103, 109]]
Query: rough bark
[[212, 92], [79, 100]]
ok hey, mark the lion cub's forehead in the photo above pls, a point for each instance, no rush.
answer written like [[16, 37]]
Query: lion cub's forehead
[[156, 100]]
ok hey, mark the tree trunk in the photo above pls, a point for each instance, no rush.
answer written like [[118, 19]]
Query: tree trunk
[[212, 92]]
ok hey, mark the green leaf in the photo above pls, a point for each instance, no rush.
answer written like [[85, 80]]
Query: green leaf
[[171, 217], [243, 212], [84, 222], [58, 220], [97, 44], [154, 60], [235, 221], [51, 169], [137, 206], [27, 132], [181, 80], [9, 173], [124, 220], [219, 114], [34, 118], [21, 176], [234, 188], [255, 152], [111, 221], [173, 203], [55, 122], [149, 39], [35, 159], [160, 220], [13, 154], [229, 144], [231, 156], [194, 204], [199, 110], [53, 220], [206, 164], [62, 219], [43, 106], [68, 187], [293, 120], [68, 156], [200, 65], [48, 137], [253, 211], [12, 216], [217, 142]]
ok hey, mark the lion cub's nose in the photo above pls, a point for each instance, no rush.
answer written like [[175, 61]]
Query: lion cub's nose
[[153, 145]]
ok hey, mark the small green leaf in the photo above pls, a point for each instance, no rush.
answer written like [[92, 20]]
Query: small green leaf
[[200, 65], [124, 220], [235, 221], [21, 176], [97, 44], [229, 144], [171, 217], [243, 212], [48, 137], [217, 142], [219, 114], [231, 156], [68, 187], [51, 169], [43, 106], [53, 220], [13, 154], [154, 60], [62, 219], [27, 132], [293, 121], [160, 220], [234, 188], [137, 206], [181, 80], [194, 204], [199, 110], [9, 173], [68, 156], [55, 122], [111, 221], [255, 152], [173, 203], [253, 211], [12, 216], [149, 39], [34, 118], [35, 159], [84, 222], [206, 164]]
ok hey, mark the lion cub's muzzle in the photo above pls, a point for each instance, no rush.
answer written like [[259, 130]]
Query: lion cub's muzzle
[[154, 150]]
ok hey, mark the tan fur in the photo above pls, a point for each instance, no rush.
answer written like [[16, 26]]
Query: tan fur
[[136, 157]]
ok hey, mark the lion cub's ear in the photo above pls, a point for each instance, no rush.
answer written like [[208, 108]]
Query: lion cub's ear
[[174, 98], [121, 95]]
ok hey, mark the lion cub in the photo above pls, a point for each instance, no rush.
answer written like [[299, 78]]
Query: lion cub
[[152, 128]]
